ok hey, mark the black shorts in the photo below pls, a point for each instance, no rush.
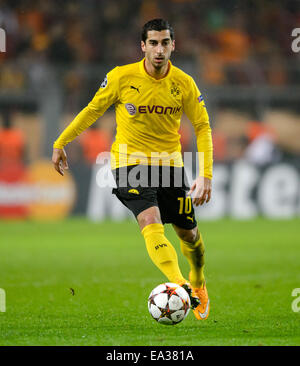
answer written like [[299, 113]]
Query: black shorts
[[141, 187]]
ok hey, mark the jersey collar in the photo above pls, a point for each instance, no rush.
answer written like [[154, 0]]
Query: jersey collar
[[144, 72]]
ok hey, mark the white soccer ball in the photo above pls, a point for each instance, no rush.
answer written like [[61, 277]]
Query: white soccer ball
[[169, 303]]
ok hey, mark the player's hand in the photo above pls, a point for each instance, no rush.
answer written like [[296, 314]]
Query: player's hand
[[202, 191], [59, 159]]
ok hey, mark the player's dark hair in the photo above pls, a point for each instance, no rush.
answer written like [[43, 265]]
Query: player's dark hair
[[157, 25]]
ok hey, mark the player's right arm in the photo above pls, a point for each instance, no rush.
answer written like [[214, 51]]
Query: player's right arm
[[107, 95], [195, 109]]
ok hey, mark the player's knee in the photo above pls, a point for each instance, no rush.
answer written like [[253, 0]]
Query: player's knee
[[148, 217], [190, 236], [148, 220]]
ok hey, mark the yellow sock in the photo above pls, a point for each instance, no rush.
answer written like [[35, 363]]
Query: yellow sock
[[162, 252], [195, 256]]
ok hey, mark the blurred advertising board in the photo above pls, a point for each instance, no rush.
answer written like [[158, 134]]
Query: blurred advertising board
[[35, 192], [240, 190]]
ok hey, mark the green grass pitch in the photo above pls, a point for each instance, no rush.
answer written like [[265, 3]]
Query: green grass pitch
[[252, 268]]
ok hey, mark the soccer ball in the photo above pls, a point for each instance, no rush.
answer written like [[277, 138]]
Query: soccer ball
[[169, 303]]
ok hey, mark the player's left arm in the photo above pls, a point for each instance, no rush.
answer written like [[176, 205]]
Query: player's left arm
[[195, 109]]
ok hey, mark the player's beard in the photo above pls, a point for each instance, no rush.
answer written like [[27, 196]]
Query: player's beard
[[160, 65]]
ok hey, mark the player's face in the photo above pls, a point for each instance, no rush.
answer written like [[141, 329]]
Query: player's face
[[158, 47]]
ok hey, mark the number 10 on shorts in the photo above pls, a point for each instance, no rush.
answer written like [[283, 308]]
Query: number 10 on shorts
[[185, 203], [2, 301]]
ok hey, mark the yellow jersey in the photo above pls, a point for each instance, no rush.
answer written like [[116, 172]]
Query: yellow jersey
[[148, 114]]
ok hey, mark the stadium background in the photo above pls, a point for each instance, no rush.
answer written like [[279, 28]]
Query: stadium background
[[240, 54]]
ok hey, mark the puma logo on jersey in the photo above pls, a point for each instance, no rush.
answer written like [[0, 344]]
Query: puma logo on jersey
[[134, 191], [190, 218], [134, 88]]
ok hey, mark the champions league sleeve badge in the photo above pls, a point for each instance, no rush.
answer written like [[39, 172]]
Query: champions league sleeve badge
[[104, 82]]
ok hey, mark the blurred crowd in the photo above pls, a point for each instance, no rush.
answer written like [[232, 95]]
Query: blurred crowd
[[235, 42], [228, 42]]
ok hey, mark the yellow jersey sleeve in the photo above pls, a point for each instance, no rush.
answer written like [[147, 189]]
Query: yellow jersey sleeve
[[104, 98], [194, 108]]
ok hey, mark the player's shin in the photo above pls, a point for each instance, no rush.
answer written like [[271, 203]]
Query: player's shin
[[162, 253], [194, 252]]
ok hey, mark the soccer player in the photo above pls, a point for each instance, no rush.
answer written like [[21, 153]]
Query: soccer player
[[150, 97]]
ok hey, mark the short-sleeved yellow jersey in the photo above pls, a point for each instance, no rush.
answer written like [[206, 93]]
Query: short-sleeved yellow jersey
[[148, 114]]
